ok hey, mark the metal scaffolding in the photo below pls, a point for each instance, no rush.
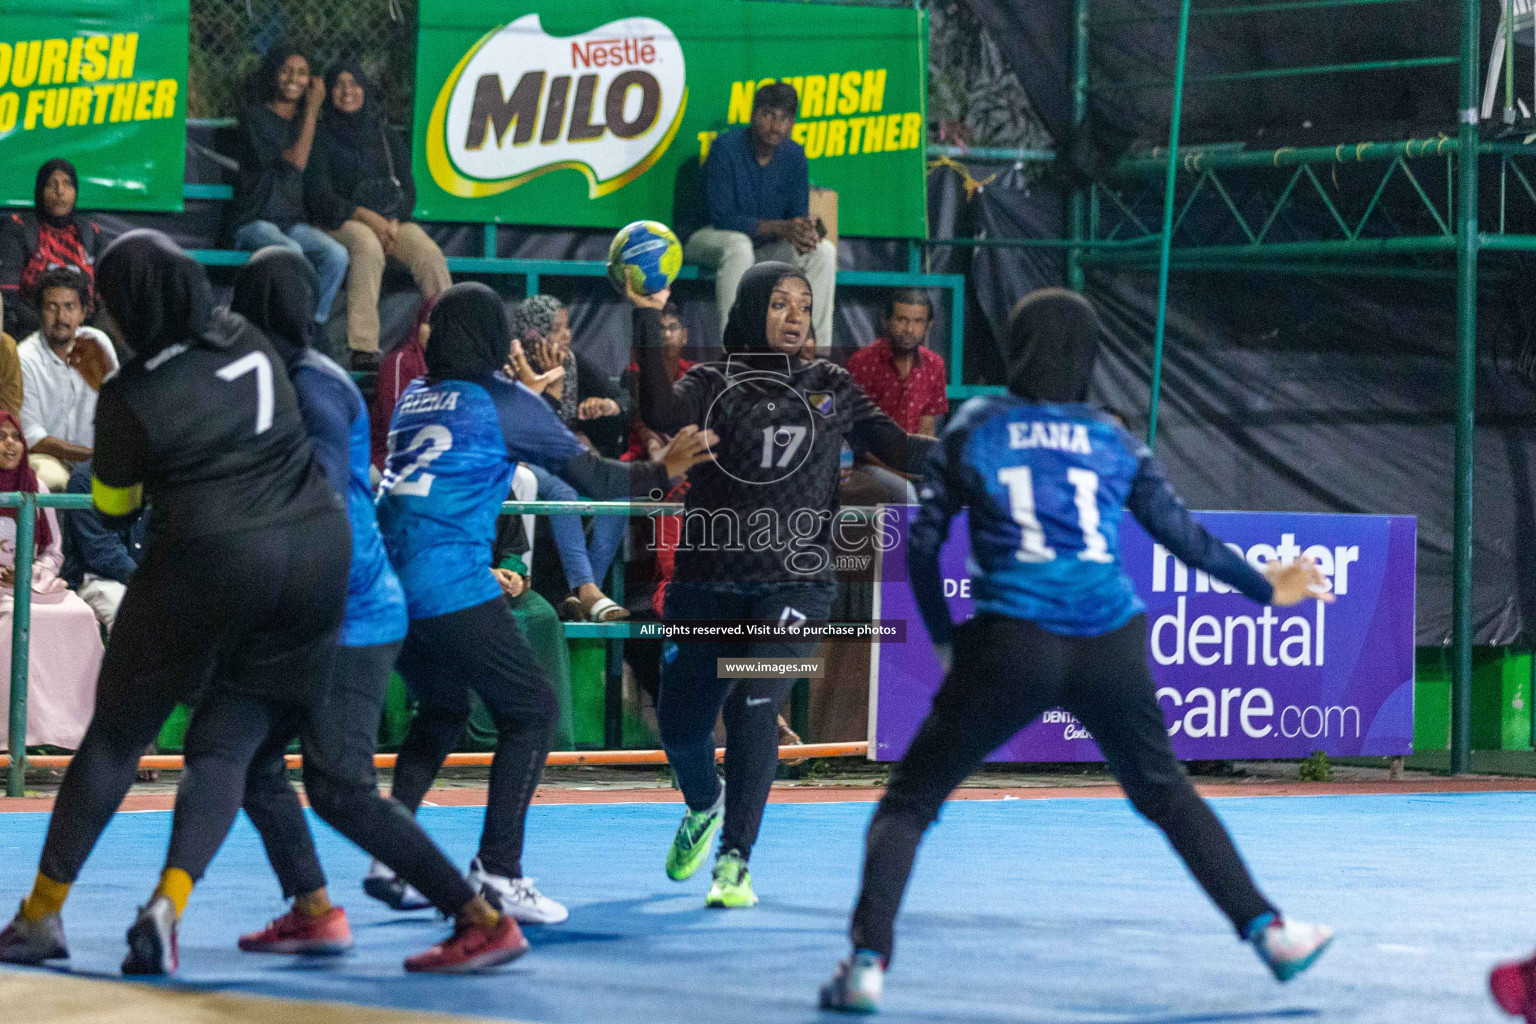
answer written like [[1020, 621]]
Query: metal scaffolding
[[1114, 223]]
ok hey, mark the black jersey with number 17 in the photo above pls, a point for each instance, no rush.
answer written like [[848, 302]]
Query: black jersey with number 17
[[212, 432], [763, 510]]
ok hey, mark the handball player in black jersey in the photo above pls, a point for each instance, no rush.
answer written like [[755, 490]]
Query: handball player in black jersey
[[757, 543], [241, 595]]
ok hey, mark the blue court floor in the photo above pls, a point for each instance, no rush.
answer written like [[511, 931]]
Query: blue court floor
[[1065, 910]]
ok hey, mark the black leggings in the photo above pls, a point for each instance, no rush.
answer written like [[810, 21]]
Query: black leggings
[[259, 610], [693, 695], [339, 737], [1006, 672], [481, 649]]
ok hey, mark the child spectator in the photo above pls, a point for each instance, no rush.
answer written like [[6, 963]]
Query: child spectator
[[360, 190], [396, 371], [277, 135]]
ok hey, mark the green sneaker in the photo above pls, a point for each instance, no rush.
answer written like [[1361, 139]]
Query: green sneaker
[[733, 883], [691, 844]]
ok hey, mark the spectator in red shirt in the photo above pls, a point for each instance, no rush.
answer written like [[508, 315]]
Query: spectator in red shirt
[[901, 376], [906, 380]]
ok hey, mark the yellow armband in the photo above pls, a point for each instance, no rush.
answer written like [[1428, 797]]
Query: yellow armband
[[116, 501]]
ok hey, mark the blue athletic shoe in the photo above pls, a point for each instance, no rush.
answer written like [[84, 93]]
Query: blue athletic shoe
[[857, 984], [1288, 947]]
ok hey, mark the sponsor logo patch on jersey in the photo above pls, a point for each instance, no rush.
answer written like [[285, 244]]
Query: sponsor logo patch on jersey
[[821, 401]]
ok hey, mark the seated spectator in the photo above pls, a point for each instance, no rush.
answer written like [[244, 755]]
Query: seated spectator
[[907, 381], [62, 367], [10, 370], [277, 136], [594, 409], [585, 399], [99, 559], [757, 193], [52, 235], [64, 655], [360, 190], [396, 371]]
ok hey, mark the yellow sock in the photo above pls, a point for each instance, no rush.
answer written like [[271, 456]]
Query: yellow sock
[[480, 912], [313, 904], [176, 886], [47, 897]]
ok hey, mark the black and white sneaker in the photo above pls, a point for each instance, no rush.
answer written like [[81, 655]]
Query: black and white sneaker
[[32, 942], [515, 897], [389, 888], [152, 939]]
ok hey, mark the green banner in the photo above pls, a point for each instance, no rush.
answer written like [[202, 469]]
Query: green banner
[[586, 113], [103, 84]]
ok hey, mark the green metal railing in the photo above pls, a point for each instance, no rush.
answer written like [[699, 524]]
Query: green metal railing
[[27, 504]]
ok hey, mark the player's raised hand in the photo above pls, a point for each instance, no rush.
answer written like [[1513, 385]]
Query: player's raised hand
[[687, 449], [655, 300], [1296, 582]]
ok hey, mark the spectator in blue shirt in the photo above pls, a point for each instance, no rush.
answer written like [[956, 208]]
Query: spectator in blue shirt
[[98, 559], [757, 189]]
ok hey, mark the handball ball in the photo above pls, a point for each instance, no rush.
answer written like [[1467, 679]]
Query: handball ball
[[646, 255]]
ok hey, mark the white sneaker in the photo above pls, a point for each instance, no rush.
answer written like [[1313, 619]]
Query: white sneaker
[[515, 897], [389, 888], [1290, 947]]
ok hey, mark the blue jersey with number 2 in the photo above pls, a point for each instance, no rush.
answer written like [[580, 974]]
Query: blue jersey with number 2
[[452, 448], [1046, 485]]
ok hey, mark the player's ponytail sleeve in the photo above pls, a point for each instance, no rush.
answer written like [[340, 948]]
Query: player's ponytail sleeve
[[1155, 505], [611, 480], [666, 407], [941, 497], [118, 461]]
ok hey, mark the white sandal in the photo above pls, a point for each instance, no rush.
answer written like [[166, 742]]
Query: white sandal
[[606, 609]]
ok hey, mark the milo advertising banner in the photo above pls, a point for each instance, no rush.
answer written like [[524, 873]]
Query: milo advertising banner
[[1234, 679], [103, 84], [589, 113]]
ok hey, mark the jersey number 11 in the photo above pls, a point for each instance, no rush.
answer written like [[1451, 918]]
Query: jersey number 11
[[1021, 504]]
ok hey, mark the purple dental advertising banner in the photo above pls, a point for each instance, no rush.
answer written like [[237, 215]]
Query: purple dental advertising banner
[[1235, 679]]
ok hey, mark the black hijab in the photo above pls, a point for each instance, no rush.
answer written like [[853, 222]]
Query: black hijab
[[158, 295], [361, 128], [277, 291], [469, 333], [1053, 342], [43, 174], [746, 328]]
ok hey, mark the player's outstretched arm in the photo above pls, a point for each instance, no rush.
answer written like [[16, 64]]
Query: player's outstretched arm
[[875, 433], [1155, 505], [665, 406]]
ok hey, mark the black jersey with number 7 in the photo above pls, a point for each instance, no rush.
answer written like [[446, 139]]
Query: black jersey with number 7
[[211, 431]]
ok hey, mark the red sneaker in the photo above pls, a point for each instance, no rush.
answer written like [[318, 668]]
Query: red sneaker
[[325, 935], [1514, 988], [473, 948]]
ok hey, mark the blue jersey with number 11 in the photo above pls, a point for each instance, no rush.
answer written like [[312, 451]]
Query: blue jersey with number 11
[[452, 448], [1046, 485]]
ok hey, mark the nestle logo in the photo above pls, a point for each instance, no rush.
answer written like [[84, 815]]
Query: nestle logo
[[605, 53]]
